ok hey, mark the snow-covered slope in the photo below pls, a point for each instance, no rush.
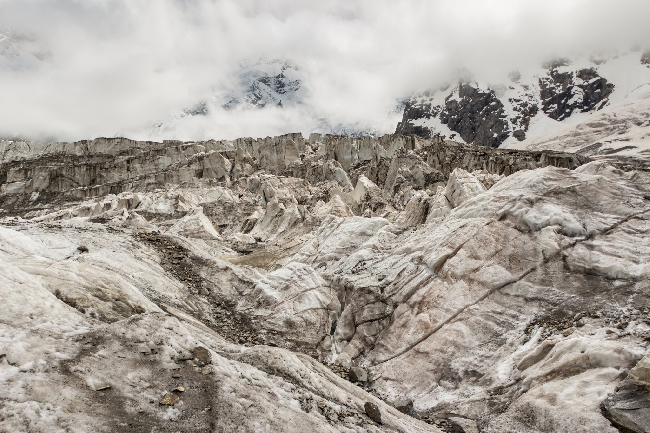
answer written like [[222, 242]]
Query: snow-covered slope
[[263, 83], [260, 84], [621, 128], [529, 104], [279, 90]]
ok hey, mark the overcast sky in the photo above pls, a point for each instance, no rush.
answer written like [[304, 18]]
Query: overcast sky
[[119, 66]]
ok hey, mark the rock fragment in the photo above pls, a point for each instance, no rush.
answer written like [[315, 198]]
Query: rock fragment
[[404, 406], [98, 385], [169, 399], [372, 411], [202, 354], [358, 374], [467, 425], [184, 356]]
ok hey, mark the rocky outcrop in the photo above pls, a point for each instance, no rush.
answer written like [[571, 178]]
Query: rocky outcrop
[[618, 133], [563, 93], [487, 115], [413, 110], [525, 109], [628, 407], [478, 117]]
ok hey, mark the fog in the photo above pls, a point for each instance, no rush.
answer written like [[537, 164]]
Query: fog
[[118, 67]]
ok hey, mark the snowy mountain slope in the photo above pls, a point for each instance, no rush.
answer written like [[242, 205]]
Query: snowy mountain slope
[[527, 103], [622, 128], [281, 90], [262, 83]]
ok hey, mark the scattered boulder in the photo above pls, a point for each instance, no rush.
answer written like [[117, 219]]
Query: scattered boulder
[[169, 399], [358, 374], [98, 384], [202, 354], [404, 406], [372, 411]]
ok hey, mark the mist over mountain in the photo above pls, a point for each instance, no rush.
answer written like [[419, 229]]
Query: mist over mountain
[[117, 68]]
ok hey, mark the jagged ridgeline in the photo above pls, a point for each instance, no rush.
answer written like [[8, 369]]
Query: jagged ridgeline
[[34, 174]]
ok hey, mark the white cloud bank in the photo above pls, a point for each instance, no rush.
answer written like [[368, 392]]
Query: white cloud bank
[[119, 66]]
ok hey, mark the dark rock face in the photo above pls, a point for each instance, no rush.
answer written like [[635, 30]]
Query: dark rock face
[[477, 116], [566, 92], [519, 135], [629, 407], [417, 110], [488, 116], [526, 110]]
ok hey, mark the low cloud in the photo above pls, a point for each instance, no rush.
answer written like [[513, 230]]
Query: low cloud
[[118, 67]]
